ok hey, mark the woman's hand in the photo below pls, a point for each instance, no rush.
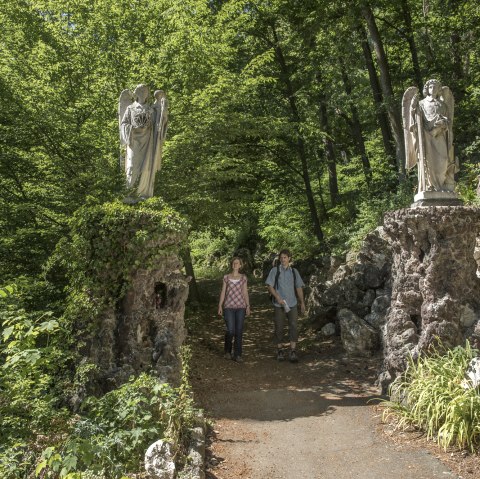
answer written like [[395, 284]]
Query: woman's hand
[[220, 311], [247, 312]]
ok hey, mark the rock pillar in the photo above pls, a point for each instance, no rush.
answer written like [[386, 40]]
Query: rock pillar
[[435, 288], [128, 291]]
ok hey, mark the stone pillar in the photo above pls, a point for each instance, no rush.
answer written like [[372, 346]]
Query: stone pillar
[[149, 322], [435, 289], [128, 291]]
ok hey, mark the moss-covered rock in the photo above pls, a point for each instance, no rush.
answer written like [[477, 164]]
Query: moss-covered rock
[[127, 291]]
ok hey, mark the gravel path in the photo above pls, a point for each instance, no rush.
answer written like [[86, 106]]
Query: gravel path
[[311, 420]]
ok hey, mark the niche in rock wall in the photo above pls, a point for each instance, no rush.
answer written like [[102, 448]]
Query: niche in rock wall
[[421, 256], [424, 250], [417, 321], [167, 296], [160, 295]]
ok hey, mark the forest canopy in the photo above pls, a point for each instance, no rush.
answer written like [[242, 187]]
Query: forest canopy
[[285, 123]]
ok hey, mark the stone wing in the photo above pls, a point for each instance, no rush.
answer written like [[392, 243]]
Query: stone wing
[[409, 129], [126, 99], [450, 102]]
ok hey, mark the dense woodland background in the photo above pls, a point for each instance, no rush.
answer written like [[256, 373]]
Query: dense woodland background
[[285, 127]]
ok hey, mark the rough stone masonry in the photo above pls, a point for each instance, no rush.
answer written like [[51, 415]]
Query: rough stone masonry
[[414, 282], [435, 289]]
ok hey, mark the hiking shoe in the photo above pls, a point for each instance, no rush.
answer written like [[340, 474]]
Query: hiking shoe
[[238, 359], [280, 355], [227, 356], [293, 358]]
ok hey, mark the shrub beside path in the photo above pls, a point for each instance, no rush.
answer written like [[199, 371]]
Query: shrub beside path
[[277, 420]]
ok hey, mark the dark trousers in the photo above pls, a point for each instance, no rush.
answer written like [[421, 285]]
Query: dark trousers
[[279, 321], [234, 319]]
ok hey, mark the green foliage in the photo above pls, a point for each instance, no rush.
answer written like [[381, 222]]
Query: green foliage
[[32, 361], [211, 253], [108, 240], [245, 84], [110, 436], [429, 396], [284, 223], [107, 437], [370, 215], [468, 183]]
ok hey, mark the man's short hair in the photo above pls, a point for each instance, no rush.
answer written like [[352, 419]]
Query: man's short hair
[[285, 251]]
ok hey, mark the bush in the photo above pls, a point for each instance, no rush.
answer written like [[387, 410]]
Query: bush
[[31, 379], [211, 252], [111, 435], [430, 397], [107, 438]]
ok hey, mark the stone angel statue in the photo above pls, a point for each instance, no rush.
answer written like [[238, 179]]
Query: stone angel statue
[[428, 132], [143, 128]]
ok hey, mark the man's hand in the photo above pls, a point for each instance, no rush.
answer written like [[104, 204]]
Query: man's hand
[[302, 307]]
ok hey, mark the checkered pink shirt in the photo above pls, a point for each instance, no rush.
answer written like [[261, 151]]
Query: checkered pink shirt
[[233, 297]]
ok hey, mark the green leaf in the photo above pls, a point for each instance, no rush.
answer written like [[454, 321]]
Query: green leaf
[[70, 462], [7, 332], [49, 326], [40, 467]]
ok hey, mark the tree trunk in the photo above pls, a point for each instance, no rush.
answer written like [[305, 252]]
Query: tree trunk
[[301, 151], [329, 152], [323, 208], [308, 191], [393, 107], [382, 117], [407, 18], [356, 126], [458, 67]]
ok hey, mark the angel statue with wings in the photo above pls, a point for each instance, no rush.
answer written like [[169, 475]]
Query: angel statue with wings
[[429, 136], [143, 128]]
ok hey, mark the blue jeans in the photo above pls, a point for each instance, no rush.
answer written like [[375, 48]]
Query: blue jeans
[[234, 319]]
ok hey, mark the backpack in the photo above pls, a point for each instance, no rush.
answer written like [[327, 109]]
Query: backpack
[[275, 284]]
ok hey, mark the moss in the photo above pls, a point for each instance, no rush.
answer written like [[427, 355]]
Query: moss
[[107, 244]]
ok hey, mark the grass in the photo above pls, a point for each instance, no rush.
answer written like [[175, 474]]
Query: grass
[[429, 396]]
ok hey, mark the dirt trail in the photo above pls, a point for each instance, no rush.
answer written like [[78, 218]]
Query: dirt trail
[[310, 420]]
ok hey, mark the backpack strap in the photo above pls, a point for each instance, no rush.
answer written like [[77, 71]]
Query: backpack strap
[[277, 275], [275, 284]]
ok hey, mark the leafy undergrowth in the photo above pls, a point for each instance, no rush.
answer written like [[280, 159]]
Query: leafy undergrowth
[[111, 436], [41, 436], [430, 397]]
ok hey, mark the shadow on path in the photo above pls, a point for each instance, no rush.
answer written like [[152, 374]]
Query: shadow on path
[[323, 378], [308, 420]]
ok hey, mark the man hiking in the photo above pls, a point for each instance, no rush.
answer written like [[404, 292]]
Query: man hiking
[[285, 286]]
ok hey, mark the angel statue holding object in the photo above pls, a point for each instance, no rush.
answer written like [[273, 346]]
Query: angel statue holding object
[[143, 128], [429, 136]]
